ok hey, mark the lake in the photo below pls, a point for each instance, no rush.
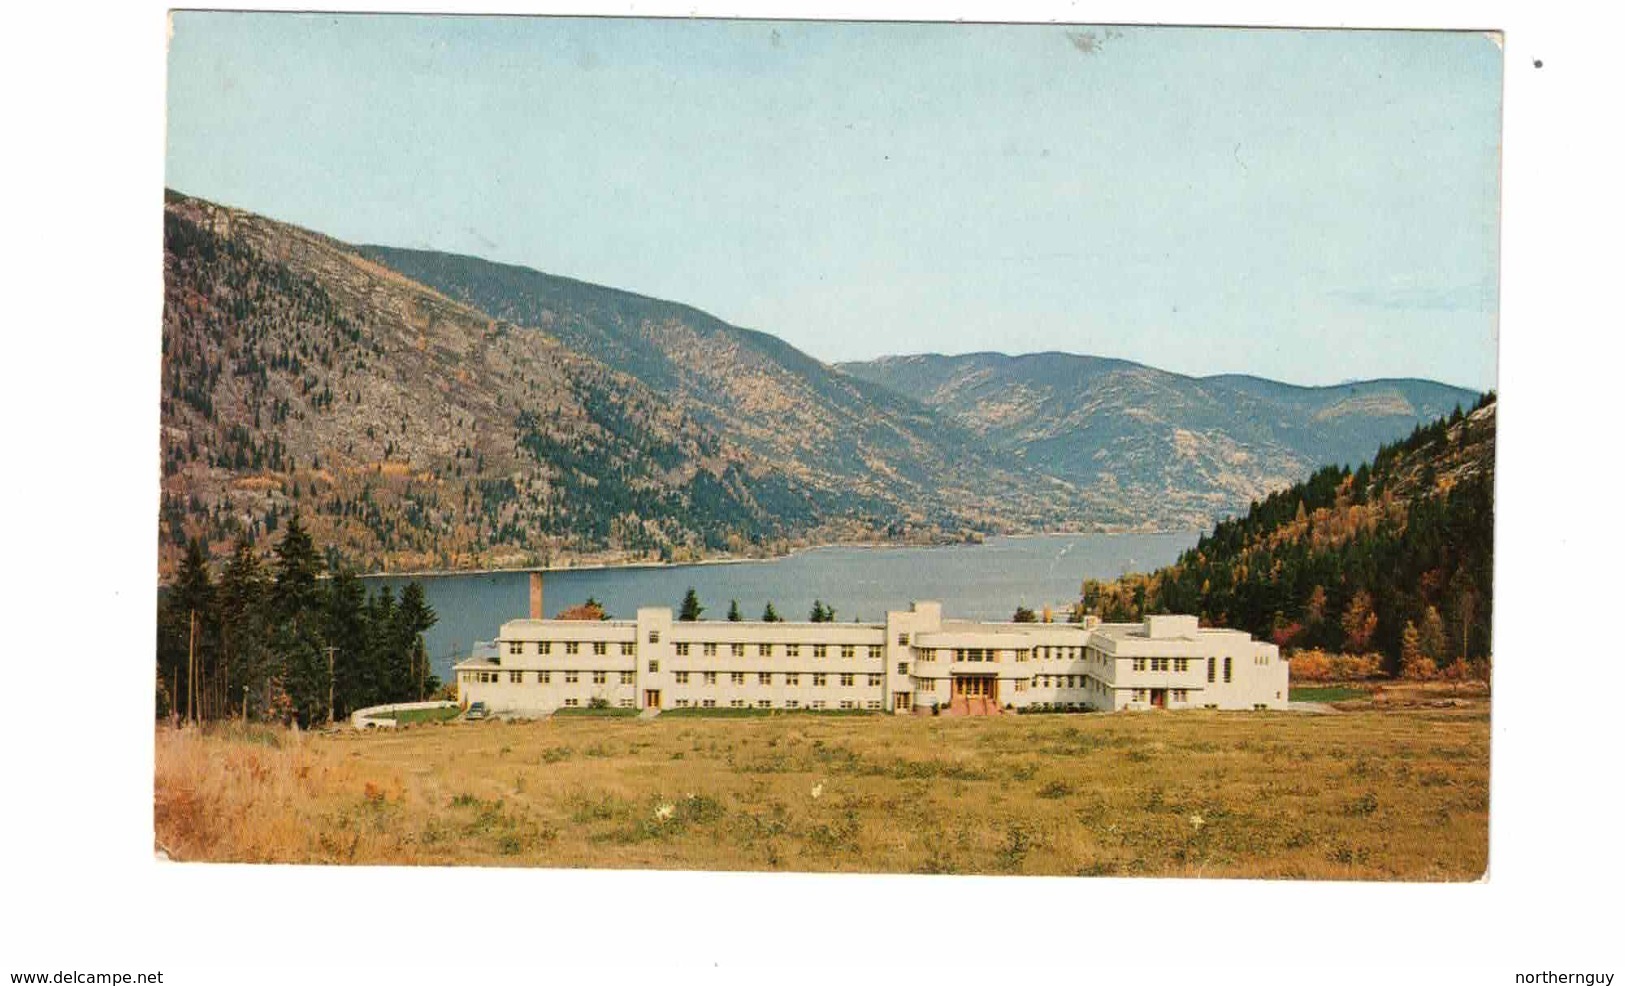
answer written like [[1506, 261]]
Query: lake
[[984, 581]]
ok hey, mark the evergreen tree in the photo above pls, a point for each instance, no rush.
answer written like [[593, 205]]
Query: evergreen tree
[[1024, 615], [691, 608], [733, 611], [243, 602], [771, 615]]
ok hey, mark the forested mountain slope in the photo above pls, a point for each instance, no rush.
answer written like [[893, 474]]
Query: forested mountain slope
[[1182, 451], [1395, 557]]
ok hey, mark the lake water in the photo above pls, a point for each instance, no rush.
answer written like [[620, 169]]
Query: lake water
[[985, 581]]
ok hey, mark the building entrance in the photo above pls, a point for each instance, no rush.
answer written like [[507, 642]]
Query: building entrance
[[651, 698], [976, 686]]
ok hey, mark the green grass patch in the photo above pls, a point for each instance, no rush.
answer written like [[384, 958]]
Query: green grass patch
[[583, 712], [1327, 693]]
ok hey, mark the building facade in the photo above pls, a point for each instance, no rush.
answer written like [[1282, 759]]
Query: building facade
[[913, 661]]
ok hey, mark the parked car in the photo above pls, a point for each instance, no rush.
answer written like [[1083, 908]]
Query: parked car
[[476, 710]]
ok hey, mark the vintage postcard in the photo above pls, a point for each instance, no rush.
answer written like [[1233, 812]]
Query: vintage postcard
[[771, 445]]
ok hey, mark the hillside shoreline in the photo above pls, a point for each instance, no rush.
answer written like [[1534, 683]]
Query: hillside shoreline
[[742, 559]]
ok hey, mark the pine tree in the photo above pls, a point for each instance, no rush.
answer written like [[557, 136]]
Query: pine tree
[[1024, 615], [691, 608], [733, 611], [771, 615]]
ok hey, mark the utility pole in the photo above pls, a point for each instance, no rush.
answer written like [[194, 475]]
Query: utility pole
[[191, 666], [330, 651]]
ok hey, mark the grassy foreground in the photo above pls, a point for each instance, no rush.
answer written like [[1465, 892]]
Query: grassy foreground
[[1364, 794]]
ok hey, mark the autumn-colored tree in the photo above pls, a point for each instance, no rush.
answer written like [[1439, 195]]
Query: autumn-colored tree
[[1314, 609], [1359, 622], [1431, 638]]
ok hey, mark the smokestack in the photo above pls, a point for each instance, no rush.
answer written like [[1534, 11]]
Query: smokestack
[[535, 595]]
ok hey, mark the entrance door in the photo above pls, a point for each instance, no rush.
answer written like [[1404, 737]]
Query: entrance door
[[903, 701], [973, 687], [651, 698], [1159, 698]]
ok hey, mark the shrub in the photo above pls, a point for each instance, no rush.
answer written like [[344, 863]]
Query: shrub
[[1317, 665]]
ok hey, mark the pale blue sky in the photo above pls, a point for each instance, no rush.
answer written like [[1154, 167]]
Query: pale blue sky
[[1311, 206]]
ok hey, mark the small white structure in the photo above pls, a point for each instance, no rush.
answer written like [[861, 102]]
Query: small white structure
[[915, 660]]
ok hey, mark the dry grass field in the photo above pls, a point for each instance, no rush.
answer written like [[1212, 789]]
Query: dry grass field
[[1384, 792]]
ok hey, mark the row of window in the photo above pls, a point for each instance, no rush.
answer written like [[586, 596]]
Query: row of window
[[600, 648], [791, 678], [1179, 664], [847, 651], [625, 703], [1174, 695]]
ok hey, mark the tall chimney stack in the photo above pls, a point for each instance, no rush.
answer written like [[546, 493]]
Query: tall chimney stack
[[536, 595]]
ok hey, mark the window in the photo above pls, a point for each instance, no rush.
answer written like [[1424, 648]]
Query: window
[[792, 703], [571, 677], [709, 703], [737, 678], [816, 703], [600, 647], [1021, 686], [682, 650], [626, 677], [515, 677], [873, 703], [1139, 694], [1180, 695], [792, 650], [792, 680], [737, 650], [654, 667], [709, 650], [516, 647], [1227, 670], [848, 651], [629, 648], [544, 677], [572, 702], [846, 680], [1021, 657], [928, 653], [627, 703], [902, 667], [874, 681], [1139, 664], [654, 636], [682, 703], [682, 677], [820, 680], [764, 650], [571, 647], [847, 703], [1182, 665], [764, 678], [544, 646], [598, 677], [820, 650], [874, 652], [710, 677], [902, 640], [763, 703], [737, 703], [1210, 667]]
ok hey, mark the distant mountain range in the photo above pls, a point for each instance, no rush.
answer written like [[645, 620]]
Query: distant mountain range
[[425, 410], [1176, 450]]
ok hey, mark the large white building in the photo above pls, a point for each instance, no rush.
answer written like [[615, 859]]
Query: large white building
[[915, 660]]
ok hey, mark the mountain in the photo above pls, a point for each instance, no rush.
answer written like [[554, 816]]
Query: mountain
[[411, 428], [1175, 450], [1395, 557]]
